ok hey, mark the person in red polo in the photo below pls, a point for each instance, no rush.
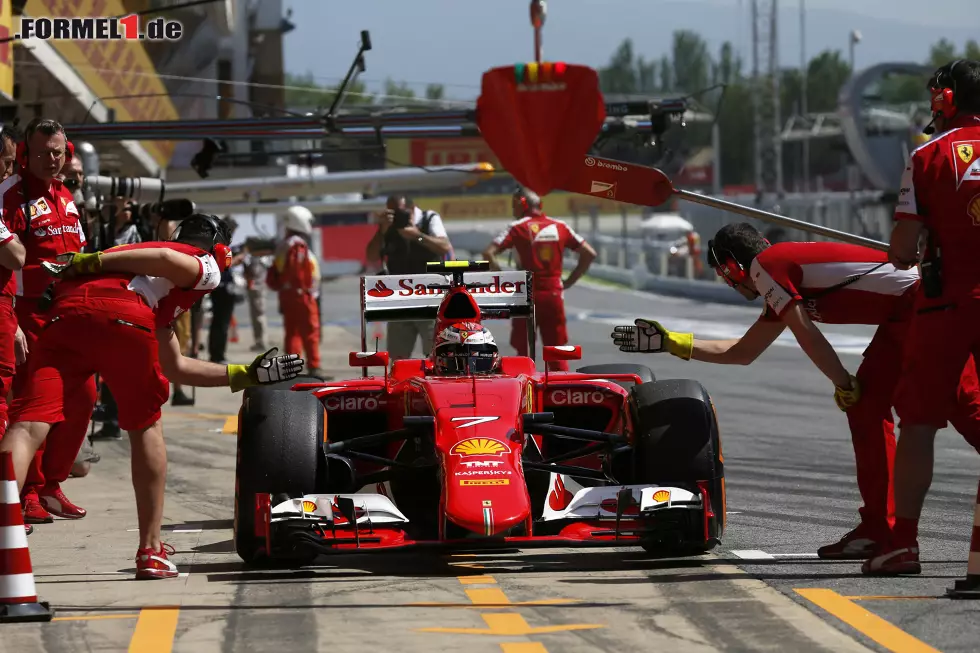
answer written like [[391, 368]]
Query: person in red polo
[[113, 314], [540, 243], [12, 257], [829, 283], [939, 198], [42, 212]]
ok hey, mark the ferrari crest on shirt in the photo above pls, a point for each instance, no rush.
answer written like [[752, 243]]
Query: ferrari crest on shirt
[[966, 161]]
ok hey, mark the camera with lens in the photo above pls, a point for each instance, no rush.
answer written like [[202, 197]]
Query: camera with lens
[[260, 246], [402, 219]]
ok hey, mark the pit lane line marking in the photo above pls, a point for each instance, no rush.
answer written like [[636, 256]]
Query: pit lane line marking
[[155, 630], [871, 625], [756, 554], [96, 617]]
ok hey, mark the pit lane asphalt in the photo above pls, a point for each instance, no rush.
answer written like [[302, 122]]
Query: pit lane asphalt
[[790, 488]]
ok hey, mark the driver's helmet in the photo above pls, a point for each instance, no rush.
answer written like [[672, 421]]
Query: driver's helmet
[[465, 348]]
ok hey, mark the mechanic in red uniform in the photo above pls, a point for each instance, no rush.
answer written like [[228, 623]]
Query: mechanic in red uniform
[[831, 283], [540, 242], [113, 311], [51, 226], [940, 194], [295, 275], [12, 257]]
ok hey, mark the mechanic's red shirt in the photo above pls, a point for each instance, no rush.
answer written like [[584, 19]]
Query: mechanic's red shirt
[[295, 268], [54, 227], [164, 301], [540, 242], [787, 273], [941, 189]]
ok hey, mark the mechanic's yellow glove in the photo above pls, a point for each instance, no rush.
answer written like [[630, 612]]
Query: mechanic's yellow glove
[[649, 336], [847, 398], [73, 264], [267, 368]]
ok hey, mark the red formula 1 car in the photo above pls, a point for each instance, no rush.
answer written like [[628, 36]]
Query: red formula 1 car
[[604, 456]]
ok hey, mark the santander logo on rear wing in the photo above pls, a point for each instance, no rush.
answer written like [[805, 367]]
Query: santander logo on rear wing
[[418, 296]]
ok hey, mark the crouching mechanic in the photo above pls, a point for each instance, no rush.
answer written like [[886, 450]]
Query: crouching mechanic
[[832, 283], [112, 311]]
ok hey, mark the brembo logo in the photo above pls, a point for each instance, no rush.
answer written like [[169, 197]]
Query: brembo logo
[[591, 162], [353, 403], [577, 397]]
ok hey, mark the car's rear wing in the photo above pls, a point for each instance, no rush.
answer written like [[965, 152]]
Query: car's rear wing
[[500, 295]]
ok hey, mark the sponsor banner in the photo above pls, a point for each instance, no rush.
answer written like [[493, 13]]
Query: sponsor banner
[[6, 51], [113, 68], [507, 288], [350, 402], [439, 152], [480, 447], [485, 481], [576, 397]]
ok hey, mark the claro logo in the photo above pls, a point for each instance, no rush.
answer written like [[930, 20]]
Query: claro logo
[[353, 403], [577, 397]]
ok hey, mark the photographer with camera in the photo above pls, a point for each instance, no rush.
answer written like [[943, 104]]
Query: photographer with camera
[[406, 240], [224, 298]]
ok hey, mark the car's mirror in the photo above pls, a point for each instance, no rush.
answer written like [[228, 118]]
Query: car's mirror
[[368, 359], [562, 353]]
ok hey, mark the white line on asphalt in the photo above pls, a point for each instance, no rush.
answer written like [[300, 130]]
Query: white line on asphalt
[[752, 554], [795, 555]]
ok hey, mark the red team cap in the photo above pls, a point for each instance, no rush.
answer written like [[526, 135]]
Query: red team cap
[[540, 119]]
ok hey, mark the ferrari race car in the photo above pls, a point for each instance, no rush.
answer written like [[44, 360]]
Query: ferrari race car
[[515, 458]]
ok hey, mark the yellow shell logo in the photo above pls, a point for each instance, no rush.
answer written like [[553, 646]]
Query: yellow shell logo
[[661, 495], [974, 210], [480, 447], [309, 506]]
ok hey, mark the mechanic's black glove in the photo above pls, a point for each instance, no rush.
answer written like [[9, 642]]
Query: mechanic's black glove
[[650, 337], [267, 368]]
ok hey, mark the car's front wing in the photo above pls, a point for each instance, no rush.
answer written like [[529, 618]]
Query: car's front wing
[[594, 516]]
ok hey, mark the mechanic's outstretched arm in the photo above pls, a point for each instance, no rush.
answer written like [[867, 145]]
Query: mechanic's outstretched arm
[[814, 344], [266, 368], [648, 336], [182, 269], [586, 254], [490, 254]]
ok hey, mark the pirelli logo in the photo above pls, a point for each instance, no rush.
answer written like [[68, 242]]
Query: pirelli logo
[[485, 481]]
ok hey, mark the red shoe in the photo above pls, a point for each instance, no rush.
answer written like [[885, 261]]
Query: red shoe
[[34, 512], [28, 528], [153, 565], [892, 560], [859, 544], [55, 501]]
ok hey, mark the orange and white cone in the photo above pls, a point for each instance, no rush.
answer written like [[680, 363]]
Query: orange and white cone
[[969, 588], [18, 597]]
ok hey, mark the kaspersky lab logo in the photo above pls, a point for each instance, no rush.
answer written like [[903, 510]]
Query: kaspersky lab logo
[[104, 28]]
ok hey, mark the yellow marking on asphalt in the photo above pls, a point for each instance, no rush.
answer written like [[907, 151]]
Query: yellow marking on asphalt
[[488, 596], [477, 580], [879, 630], [155, 630], [468, 565], [891, 598], [96, 617], [523, 647], [509, 623], [518, 604], [231, 425]]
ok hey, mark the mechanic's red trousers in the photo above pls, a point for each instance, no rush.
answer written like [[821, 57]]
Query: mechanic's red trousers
[[53, 461], [873, 427], [301, 322], [549, 314], [95, 333], [8, 360]]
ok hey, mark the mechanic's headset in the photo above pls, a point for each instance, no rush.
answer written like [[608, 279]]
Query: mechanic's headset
[[219, 250], [943, 97], [728, 266]]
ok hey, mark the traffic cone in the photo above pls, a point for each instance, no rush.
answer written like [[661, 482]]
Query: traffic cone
[[18, 597], [969, 588], [233, 330]]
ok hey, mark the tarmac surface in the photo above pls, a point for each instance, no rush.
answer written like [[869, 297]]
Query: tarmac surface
[[790, 485]]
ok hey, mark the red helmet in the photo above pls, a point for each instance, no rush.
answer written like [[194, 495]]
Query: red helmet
[[465, 348]]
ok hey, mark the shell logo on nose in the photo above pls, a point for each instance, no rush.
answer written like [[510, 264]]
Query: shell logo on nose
[[661, 495], [480, 447]]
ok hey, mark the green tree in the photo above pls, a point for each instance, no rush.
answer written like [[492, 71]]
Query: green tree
[[619, 76], [666, 79], [435, 92], [691, 62], [826, 73], [942, 52]]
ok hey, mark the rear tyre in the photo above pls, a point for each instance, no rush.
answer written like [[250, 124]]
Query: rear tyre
[[278, 453], [678, 442], [645, 373]]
